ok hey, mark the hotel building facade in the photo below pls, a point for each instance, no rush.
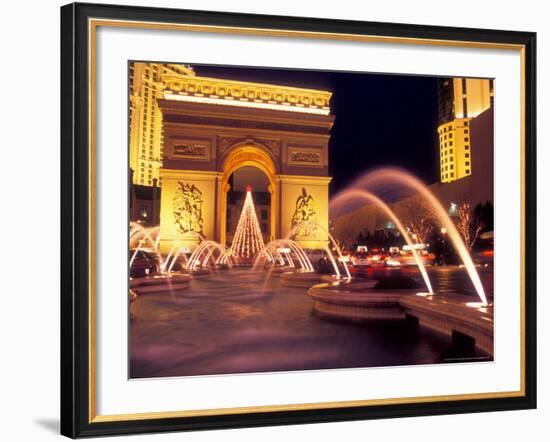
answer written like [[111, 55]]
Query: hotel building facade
[[460, 101], [146, 132]]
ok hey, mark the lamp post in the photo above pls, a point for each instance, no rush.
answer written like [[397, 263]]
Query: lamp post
[[444, 240]]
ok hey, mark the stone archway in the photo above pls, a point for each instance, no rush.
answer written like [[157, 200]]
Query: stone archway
[[206, 141], [244, 154]]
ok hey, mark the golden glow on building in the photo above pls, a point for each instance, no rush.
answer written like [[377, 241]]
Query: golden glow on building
[[150, 82], [471, 96], [146, 137], [228, 101], [245, 94], [204, 130], [455, 151], [460, 100]]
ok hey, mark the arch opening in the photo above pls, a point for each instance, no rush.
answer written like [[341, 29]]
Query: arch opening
[[238, 183], [248, 165]]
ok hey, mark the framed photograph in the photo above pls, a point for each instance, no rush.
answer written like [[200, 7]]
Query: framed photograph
[[279, 220]]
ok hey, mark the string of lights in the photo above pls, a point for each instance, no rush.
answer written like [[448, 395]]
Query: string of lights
[[248, 239]]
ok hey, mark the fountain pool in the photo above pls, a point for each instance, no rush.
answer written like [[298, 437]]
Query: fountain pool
[[256, 324]]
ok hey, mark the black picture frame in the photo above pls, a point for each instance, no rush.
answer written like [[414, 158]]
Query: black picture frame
[[76, 417]]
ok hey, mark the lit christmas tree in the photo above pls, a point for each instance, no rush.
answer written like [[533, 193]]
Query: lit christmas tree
[[248, 240]]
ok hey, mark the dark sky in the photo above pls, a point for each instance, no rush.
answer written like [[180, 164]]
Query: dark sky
[[381, 120]]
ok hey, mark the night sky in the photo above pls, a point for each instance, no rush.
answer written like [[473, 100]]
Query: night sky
[[381, 120]]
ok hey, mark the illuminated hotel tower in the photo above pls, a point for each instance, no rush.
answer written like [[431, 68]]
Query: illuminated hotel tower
[[460, 100], [146, 134]]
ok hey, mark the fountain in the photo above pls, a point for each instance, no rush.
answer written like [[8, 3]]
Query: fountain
[[336, 205], [338, 295], [139, 236], [301, 275], [283, 257], [156, 282], [394, 175], [359, 301], [248, 247], [170, 263], [334, 262], [203, 253], [288, 248]]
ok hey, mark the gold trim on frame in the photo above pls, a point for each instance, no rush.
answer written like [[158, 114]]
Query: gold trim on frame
[[93, 24], [299, 34]]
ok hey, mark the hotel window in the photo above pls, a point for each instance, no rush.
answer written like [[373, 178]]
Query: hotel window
[[467, 155], [467, 163], [466, 138], [465, 131], [467, 170]]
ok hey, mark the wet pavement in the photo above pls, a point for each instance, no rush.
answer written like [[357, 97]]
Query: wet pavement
[[448, 280], [237, 321]]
